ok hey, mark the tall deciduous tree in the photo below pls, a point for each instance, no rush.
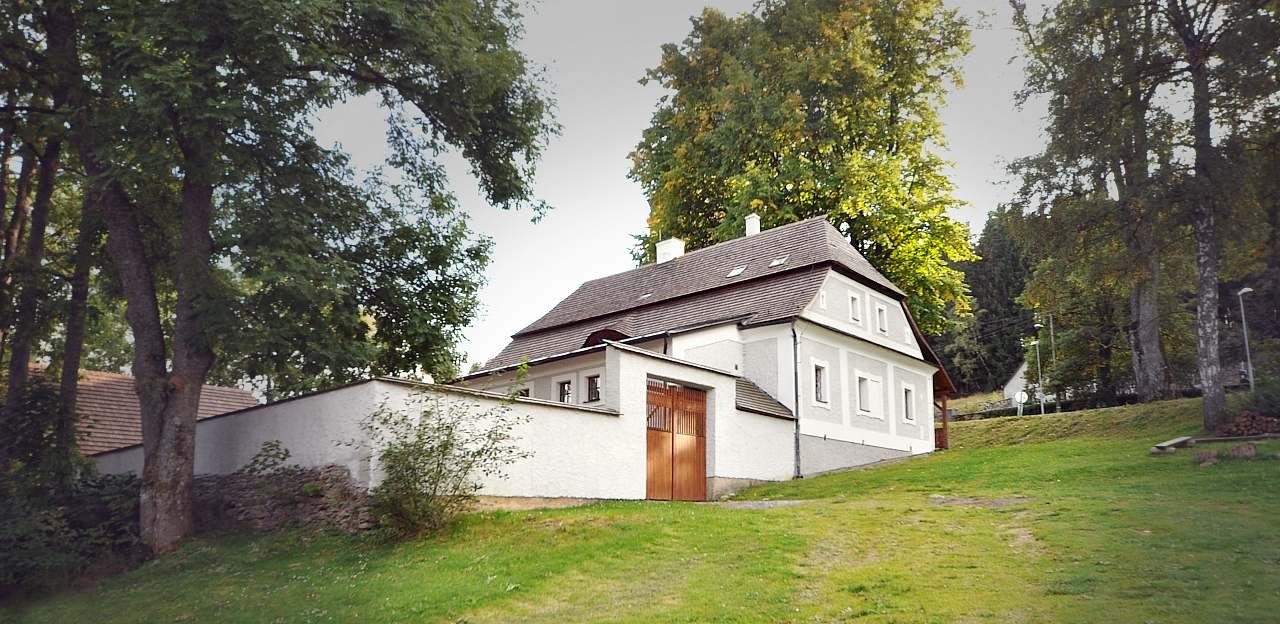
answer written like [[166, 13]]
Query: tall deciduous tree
[[814, 107], [1217, 43], [179, 112], [1101, 64]]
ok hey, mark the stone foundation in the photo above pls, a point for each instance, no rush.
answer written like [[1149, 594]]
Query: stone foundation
[[324, 497]]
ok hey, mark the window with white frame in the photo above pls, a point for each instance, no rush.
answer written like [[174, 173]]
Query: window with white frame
[[564, 391], [593, 388], [820, 390], [869, 398], [908, 402], [882, 318], [855, 308]]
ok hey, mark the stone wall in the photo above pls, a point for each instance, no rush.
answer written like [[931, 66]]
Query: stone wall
[[323, 497]]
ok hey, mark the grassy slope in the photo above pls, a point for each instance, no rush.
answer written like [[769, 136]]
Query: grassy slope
[[1107, 533], [974, 402]]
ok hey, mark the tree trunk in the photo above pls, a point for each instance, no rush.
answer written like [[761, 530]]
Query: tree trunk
[[1206, 243], [24, 333], [21, 206], [86, 246], [1147, 351], [12, 240], [166, 405], [170, 457]]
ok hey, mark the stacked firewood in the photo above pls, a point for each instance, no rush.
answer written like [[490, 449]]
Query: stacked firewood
[[1250, 424]]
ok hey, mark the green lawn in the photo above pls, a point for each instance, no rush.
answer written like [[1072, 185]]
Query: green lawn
[[1035, 519]]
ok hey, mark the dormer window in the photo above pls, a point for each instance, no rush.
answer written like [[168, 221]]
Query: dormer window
[[779, 261], [644, 296], [737, 271]]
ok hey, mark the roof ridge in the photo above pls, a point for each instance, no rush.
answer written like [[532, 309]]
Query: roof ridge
[[781, 228]]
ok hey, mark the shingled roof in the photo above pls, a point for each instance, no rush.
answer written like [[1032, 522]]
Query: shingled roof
[[782, 270], [111, 418], [796, 245]]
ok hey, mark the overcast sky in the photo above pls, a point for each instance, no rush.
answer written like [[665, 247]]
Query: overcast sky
[[594, 52]]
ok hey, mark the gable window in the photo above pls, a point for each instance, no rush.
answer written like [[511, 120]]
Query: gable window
[[822, 299], [882, 319], [855, 308], [864, 395], [593, 388], [820, 383], [564, 391], [908, 403]]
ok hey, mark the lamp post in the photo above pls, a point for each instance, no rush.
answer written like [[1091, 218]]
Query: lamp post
[[1248, 358], [1039, 376]]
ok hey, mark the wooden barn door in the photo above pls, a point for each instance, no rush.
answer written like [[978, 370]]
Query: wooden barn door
[[676, 442]]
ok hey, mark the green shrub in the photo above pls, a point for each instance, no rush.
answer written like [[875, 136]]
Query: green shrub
[[48, 541], [1265, 399], [432, 457], [269, 459], [312, 490]]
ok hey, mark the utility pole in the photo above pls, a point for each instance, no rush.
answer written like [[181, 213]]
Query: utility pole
[[1039, 376], [1053, 346], [1248, 358]]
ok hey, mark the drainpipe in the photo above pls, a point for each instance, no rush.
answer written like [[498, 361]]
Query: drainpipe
[[795, 369]]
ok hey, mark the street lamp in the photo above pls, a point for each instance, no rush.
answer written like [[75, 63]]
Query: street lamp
[[1248, 358], [1039, 376]]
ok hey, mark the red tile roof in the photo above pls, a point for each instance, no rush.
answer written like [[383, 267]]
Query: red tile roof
[[110, 417]]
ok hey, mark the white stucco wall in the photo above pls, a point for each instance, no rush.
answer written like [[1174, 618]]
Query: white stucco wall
[[832, 307], [541, 379], [845, 357], [753, 446], [574, 451], [310, 427]]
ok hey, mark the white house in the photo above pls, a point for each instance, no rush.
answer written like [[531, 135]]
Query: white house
[[779, 354]]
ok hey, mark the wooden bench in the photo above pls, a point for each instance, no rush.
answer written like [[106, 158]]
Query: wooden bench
[[1169, 446]]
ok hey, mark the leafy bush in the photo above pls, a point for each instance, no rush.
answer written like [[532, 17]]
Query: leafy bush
[[47, 541], [38, 452], [270, 458], [433, 456], [1265, 399]]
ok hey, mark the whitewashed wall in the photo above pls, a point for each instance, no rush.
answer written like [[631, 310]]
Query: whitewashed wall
[[754, 446], [886, 426], [832, 306], [574, 451], [310, 427]]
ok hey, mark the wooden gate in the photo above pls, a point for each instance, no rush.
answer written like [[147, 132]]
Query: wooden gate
[[677, 442]]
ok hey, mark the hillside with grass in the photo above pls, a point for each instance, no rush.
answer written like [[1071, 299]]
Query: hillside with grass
[[1061, 518]]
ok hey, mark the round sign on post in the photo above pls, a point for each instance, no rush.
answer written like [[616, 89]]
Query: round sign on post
[[1021, 397]]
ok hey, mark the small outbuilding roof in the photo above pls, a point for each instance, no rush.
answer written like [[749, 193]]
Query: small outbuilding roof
[[753, 398], [111, 417]]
